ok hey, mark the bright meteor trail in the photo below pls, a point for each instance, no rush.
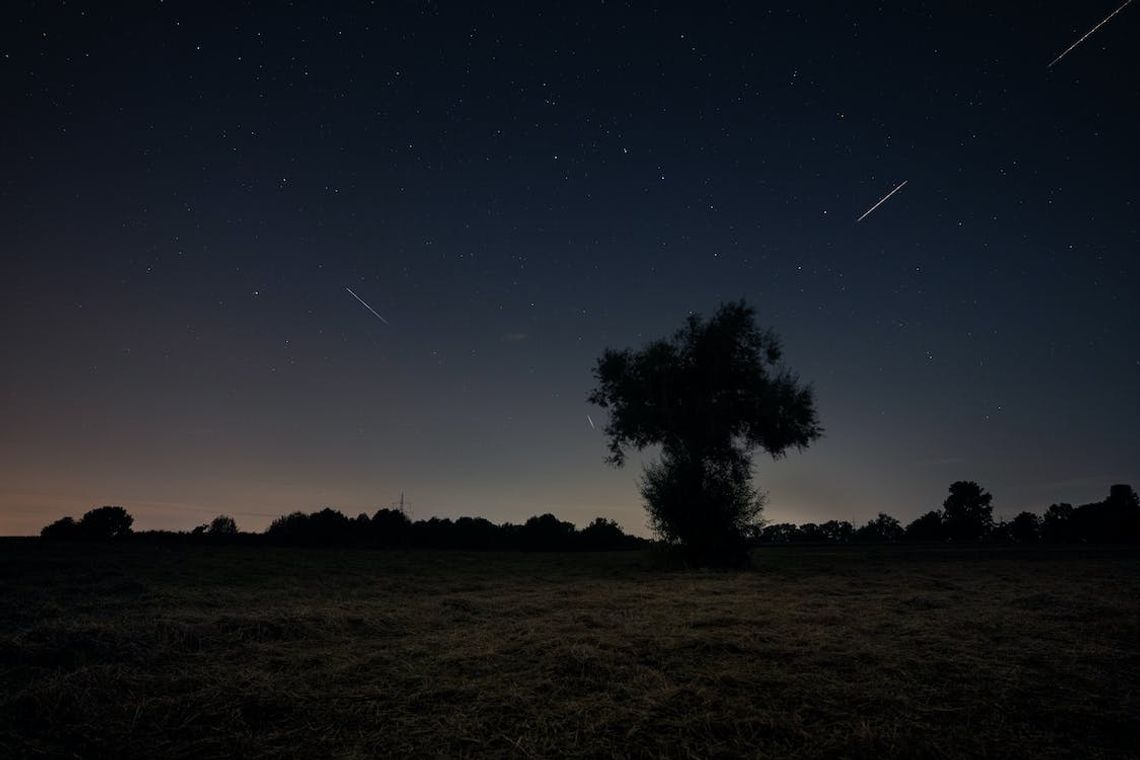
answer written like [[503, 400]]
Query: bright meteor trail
[[888, 195], [365, 305], [1089, 33]]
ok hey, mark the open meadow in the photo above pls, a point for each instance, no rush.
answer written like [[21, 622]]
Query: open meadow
[[199, 651]]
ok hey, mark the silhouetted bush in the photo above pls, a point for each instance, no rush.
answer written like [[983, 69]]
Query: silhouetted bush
[[329, 526], [391, 527], [605, 535], [545, 533], [1025, 528], [99, 524], [1001, 532], [708, 506], [1055, 522], [883, 529], [1114, 520], [223, 525], [779, 533], [810, 533], [1123, 497], [928, 527], [106, 523], [222, 528], [291, 528], [476, 533], [837, 531], [435, 532], [63, 529], [326, 527]]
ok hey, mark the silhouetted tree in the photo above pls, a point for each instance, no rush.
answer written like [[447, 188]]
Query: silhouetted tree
[[811, 533], [1025, 528], [837, 531], [1114, 520], [325, 527], [1123, 497], [928, 527], [602, 534], [391, 527], [779, 533], [477, 533], [330, 526], [709, 397], [291, 528], [105, 523], [1121, 515], [1000, 532], [435, 533], [509, 535], [223, 525], [883, 529], [967, 513], [1055, 523], [546, 532], [63, 529]]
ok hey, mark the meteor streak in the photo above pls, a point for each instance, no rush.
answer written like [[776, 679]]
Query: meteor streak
[[888, 195], [591, 421], [365, 305], [1089, 33]]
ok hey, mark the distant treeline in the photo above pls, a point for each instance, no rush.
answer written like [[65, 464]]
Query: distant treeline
[[387, 528], [967, 515]]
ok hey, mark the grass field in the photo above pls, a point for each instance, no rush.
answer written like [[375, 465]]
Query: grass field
[[145, 651]]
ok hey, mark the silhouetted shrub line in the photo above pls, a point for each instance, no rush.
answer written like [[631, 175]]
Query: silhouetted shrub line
[[967, 516], [387, 528], [99, 524], [1116, 520]]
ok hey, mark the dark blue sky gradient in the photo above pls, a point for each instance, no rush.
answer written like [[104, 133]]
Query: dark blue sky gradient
[[188, 189]]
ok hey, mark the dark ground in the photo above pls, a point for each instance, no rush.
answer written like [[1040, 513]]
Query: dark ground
[[146, 651]]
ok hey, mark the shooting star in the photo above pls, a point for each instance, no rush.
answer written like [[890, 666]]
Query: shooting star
[[365, 305], [591, 421], [884, 198], [1088, 34]]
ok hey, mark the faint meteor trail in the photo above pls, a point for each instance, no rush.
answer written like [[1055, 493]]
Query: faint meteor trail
[[1089, 33], [591, 421], [888, 195], [365, 305]]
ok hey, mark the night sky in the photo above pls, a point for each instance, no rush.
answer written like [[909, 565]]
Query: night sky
[[187, 189]]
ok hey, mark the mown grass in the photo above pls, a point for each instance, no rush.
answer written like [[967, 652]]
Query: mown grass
[[202, 652]]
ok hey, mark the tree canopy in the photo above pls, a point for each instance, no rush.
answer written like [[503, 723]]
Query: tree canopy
[[968, 512], [99, 524]]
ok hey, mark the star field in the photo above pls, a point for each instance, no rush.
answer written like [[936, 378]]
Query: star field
[[189, 189]]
